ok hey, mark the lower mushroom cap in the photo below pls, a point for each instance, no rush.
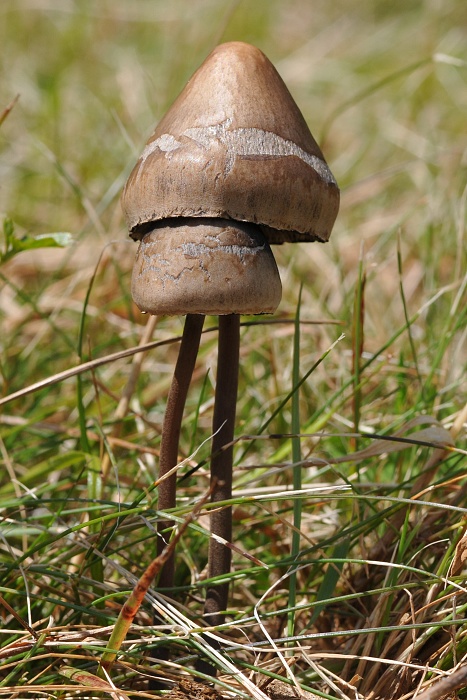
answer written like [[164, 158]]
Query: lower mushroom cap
[[205, 266]]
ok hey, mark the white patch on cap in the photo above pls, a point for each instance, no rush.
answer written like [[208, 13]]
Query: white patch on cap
[[256, 143], [240, 143]]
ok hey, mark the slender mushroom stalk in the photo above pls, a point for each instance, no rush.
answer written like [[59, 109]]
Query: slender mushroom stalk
[[232, 148], [225, 404], [171, 427]]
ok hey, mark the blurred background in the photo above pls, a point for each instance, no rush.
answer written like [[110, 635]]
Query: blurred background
[[381, 84]]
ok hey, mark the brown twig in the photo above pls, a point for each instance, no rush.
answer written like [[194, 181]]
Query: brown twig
[[132, 605], [8, 108], [442, 688]]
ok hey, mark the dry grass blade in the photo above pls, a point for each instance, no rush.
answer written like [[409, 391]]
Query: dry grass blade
[[123, 404], [4, 114], [383, 546], [91, 365], [89, 680], [85, 367], [443, 687]]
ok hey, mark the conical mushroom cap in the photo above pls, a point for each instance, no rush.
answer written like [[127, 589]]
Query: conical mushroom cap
[[234, 145]]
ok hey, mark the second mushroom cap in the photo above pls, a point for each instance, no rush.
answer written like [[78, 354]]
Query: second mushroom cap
[[205, 266]]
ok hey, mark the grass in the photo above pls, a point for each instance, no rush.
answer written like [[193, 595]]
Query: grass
[[379, 603]]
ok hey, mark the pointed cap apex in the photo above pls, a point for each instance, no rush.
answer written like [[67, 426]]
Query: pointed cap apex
[[235, 145]]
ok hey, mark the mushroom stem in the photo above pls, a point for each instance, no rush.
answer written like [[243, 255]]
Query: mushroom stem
[[168, 457], [171, 433], [221, 464]]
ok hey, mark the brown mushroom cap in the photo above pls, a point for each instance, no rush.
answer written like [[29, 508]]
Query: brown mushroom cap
[[205, 266], [234, 145]]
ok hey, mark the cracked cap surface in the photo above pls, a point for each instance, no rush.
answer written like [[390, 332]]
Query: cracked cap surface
[[201, 266]]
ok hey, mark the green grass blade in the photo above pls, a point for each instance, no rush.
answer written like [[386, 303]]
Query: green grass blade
[[297, 469]]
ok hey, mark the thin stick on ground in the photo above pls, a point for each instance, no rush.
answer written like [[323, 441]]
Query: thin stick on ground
[[441, 688], [222, 464], [130, 608]]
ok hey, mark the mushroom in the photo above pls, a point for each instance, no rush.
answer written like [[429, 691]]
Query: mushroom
[[195, 267], [231, 168]]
